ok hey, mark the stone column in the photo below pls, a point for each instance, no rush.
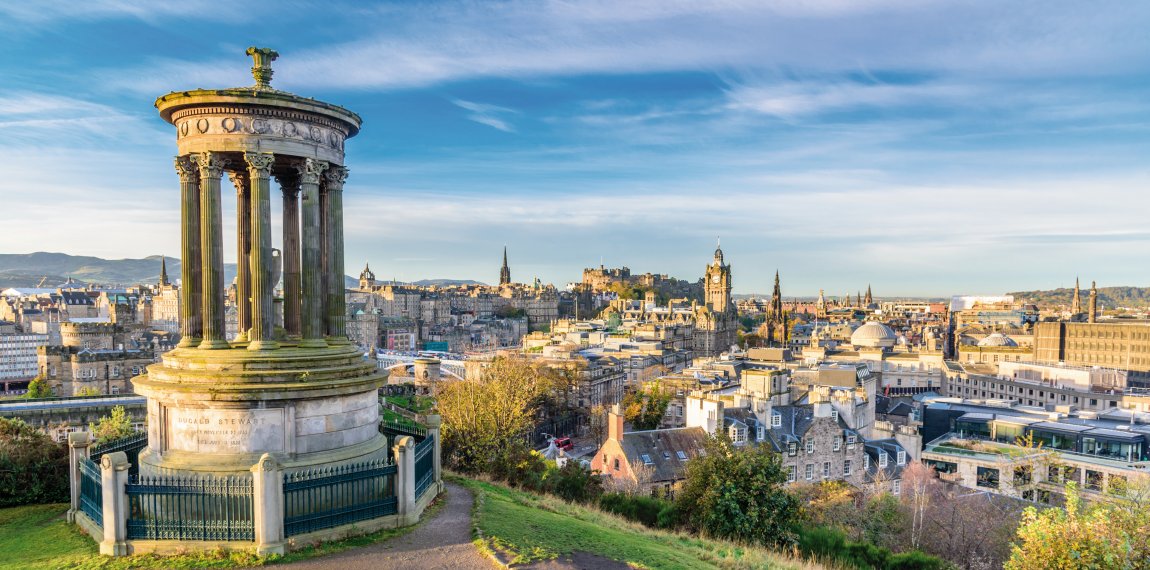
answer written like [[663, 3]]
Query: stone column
[[289, 185], [244, 247], [433, 423], [336, 304], [113, 478], [262, 265], [324, 253], [78, 442], [404, 453], [311, 320], [268, 506], [211, 250], [191, 300]]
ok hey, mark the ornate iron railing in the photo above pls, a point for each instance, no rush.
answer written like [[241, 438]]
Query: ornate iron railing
[[401, 428], [424, 466], [202, 508], [91, 491], [131, 446], [316, 499]]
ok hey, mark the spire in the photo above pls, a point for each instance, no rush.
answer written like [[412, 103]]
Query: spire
[[869, 299], [777, 298], [164, 270], [718, 251], [505, 271], [1076, 302]]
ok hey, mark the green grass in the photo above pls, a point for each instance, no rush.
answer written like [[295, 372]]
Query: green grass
[[417, 404], [38, 537], [528, 527]]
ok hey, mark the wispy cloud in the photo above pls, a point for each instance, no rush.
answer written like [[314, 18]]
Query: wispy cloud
[[487, 114]]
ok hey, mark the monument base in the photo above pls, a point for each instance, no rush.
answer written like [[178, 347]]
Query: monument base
[[216, 412]]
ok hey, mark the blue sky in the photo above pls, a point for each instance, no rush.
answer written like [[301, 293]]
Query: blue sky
[[927, 148]]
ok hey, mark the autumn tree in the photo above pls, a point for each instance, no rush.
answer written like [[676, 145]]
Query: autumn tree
[[39, 388], [1103, 534], [486, 420], [115, 426], [645, 409]]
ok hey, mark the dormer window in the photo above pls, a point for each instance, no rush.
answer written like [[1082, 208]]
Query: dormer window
[[646, 459], [882, 459], [835, 415], [682, 456], [852, 439], [760, 434], [776, 420], [901, 457]]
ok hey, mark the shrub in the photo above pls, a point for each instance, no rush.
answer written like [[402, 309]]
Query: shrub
[[832, 545], [33, 468], [641, 509]]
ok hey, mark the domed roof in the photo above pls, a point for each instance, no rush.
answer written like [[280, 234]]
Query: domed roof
[[997, 339], [873, 334]]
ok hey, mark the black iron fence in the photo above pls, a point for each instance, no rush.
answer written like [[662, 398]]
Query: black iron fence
[[316, 499], [201, 508], [424, 466], [91, 491]]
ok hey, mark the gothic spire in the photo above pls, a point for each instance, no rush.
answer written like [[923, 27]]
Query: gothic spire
[[164, 270], [505, 271], [1076, 302]]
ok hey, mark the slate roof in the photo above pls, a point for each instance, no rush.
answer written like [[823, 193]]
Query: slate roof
[[892, 470], [661, 447]]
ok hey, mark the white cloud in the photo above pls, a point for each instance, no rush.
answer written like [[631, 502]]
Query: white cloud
[[487, 114]]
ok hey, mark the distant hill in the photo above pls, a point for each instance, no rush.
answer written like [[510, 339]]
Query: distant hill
[[446, 282], [1109, 297]]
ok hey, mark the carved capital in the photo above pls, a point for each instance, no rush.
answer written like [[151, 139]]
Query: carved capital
[[335, 177], [311, 169], [240, 180], [186, 168], [211, 164], [289, 181], [260, 163]]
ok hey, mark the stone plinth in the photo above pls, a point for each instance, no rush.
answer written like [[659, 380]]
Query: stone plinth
[[218, 411]]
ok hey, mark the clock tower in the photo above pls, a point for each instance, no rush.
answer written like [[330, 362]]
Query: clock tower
[[717, 289]]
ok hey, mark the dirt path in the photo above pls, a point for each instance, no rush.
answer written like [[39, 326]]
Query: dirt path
[[444, 542]]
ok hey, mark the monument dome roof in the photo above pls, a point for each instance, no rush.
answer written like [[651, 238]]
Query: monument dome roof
[[873, 334], [997, 339]]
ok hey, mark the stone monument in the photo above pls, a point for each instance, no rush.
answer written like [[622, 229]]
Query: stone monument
[[303, 394]]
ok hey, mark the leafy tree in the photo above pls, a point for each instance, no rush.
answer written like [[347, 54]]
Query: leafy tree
[[116, 426], [88, 391], [39, 388], [1103, 534], [738, 494], [485, 419], [33, 468], [645, 408]]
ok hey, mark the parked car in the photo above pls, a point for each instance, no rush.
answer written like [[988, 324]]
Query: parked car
[[564, 443]]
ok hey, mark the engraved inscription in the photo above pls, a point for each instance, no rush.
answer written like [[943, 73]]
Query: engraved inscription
[[226, 431]]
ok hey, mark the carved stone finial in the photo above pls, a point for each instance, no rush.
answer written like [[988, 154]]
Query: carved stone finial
[[262, 70]]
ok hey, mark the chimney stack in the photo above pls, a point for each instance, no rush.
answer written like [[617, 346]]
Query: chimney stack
[[615, 424]]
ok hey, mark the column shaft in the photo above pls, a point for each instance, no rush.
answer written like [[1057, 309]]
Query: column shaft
[[336, 298], [312, 271], [263, 332], [191, 301], [324, 256], [244, 247], [291, 254], [211, 250]]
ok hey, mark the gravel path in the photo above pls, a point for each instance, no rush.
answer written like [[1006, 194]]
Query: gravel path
[[444, 542]]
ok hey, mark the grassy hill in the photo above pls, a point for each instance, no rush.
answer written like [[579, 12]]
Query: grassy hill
[[1108, 297], [523, 528]]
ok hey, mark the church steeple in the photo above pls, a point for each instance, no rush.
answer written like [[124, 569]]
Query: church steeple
[[164, 271], [868, 299], [777, 298], [505, 271], [1076, 303]]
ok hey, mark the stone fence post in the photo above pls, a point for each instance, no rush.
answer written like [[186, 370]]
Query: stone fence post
[[114, 479], [78, 442], [404, 451], [433, 423], [268, 506]]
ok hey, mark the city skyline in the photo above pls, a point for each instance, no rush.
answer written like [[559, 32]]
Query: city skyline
[[926, 150]]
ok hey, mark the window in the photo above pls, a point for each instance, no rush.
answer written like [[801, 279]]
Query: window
[[616, 463], [760, 434], [682, 456], [810, 472], [866, 462], [901, 457], [851, 439], [647, 459], [882, 459], [896, 487], [846, 468], [792, 448], [776, 420], [835, 415], [838, 443], [666, 455], [810, 446], [826, 469], [792, 474]]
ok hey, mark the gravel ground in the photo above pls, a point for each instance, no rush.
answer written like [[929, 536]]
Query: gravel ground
[[442, 542]]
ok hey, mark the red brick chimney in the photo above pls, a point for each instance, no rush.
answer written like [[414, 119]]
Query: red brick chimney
[[615, 424]]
